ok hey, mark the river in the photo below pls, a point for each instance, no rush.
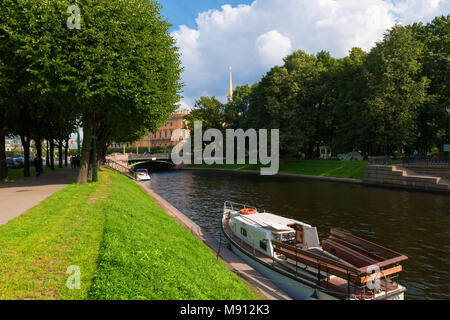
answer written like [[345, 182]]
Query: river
[[413, 223]]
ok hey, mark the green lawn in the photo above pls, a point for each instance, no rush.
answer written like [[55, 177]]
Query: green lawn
[[125, 245], [325, 168], [17, 174]]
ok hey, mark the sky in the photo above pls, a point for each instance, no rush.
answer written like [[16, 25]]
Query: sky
[[253, 36]]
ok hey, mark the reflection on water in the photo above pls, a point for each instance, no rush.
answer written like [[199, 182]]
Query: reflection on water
[[413, 223]]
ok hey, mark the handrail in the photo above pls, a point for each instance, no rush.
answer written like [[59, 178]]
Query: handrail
[[329, 261], [383, 250], [242, 206], [119, 167]]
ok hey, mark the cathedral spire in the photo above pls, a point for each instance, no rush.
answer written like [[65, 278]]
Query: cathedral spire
[[230, 91]]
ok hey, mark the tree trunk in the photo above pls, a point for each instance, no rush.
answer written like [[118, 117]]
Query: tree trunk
[[3, 167], [85, 152], [39, 154], [60, 153], [66, 152], [52, 154], [26, 155], [47, 158], [101, 153]]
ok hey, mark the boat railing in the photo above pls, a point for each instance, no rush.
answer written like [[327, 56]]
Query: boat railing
[[360, 280], [234, 206]]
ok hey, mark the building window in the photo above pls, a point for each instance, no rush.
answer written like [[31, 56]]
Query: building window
[[243, 232], [263, 244]]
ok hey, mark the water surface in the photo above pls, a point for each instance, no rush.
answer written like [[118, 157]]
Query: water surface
[[413, 223]]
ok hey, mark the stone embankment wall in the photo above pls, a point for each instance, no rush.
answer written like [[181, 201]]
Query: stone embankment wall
[[396, 176], [434, 170]]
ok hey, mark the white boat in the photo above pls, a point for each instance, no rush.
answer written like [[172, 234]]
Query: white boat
[[142, 175], [288, 252]]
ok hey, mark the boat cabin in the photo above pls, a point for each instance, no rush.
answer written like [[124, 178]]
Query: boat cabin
[[259, 229]]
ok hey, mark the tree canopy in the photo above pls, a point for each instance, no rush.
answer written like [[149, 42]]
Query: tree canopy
[[117, 75], [390, 99]]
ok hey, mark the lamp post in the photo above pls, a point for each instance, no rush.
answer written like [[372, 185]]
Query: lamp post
[[149, 141]]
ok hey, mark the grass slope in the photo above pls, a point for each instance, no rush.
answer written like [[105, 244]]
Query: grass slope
[[328, 168], [145, 254], [37, 247], [124, 244]]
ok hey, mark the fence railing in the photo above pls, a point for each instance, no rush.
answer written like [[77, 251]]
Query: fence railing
[[381, 160], [120, 168], [428, 161]]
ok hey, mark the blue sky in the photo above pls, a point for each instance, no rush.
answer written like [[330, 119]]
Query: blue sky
[[213, 35], [185, 11]]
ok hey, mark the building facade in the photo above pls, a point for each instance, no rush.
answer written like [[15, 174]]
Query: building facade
[[162, 137], [13, 144]]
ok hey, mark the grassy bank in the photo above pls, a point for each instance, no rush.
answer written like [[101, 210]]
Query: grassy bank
[[125, 245], [324, 168]]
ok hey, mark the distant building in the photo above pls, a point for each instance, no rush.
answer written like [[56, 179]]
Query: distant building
[[73, 145], [162, 137], [13, 144]]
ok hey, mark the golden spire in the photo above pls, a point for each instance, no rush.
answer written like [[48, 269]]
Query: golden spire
[[230, 91]]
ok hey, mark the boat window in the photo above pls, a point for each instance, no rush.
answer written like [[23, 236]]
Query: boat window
[[243, 232], [263, 244]]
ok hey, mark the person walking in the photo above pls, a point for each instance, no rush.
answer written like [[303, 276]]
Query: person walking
[[416, 155], [78, 161]]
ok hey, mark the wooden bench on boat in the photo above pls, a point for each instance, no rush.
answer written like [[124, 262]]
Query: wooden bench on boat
[[356, 264]]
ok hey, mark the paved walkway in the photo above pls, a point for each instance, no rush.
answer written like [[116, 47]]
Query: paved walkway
[[20, 196]]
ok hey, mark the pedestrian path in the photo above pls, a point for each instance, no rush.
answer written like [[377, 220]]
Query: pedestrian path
[[20, 196]]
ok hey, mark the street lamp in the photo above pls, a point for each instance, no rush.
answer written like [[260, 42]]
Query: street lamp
[[149, 141]]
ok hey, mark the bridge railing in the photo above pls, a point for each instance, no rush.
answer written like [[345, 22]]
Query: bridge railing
[[156, 156]]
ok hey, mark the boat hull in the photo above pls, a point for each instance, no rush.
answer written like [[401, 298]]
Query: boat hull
[[292, 286], [295, 288]]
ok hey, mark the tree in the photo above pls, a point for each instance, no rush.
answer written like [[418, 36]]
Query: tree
[[123, 66], [396, 89], [209, 111], [236, 112], [433, 123], [350, 113], [288, 98]]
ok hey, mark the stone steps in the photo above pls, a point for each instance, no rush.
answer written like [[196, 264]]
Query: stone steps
[[395, 176]]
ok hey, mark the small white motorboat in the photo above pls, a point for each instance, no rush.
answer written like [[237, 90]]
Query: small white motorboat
[[288, 252], [142, 175]]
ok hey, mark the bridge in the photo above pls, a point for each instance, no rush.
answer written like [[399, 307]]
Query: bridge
[[151, 162], [149, 157]]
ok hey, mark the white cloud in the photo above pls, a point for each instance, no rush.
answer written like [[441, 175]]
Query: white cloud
[[253, 38], [272, 48]]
